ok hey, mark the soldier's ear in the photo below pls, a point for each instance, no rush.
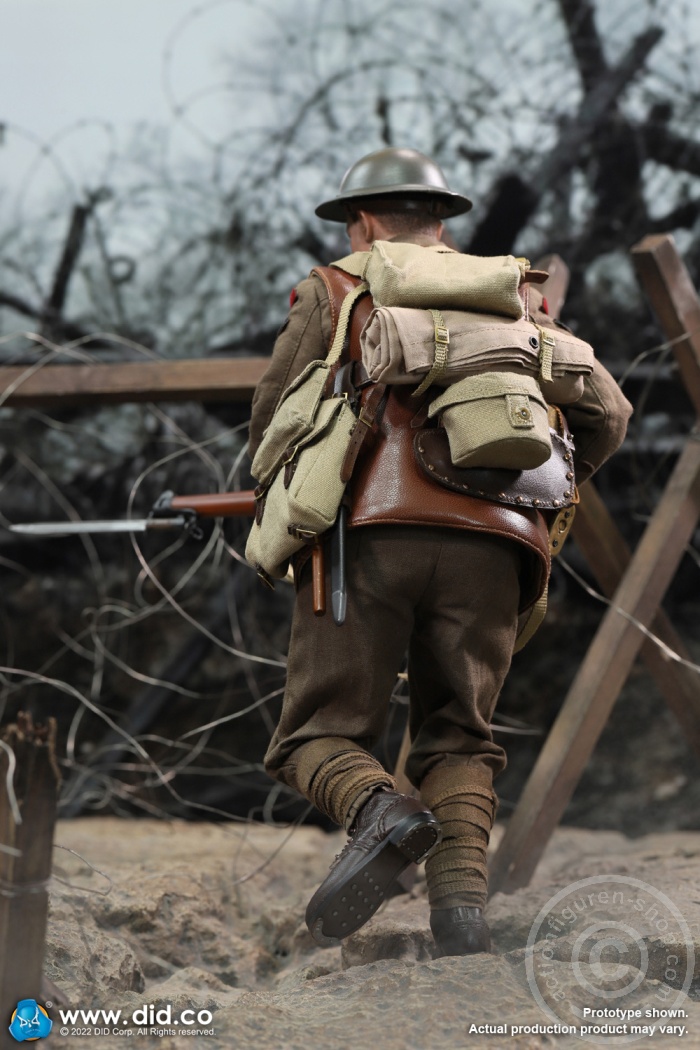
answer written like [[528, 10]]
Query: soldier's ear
[[367, 223]]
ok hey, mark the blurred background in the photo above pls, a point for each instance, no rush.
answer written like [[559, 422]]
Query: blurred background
[[161, 162]]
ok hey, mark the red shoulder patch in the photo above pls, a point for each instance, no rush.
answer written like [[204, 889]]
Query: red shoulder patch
[[293, 296], [545, 305]]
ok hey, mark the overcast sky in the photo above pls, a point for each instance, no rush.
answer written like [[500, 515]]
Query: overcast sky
[[64, 61], [110, 65]]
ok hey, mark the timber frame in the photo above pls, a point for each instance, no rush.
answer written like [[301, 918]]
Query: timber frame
[[635, 582]]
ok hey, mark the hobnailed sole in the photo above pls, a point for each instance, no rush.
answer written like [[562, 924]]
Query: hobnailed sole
[[355, 899]]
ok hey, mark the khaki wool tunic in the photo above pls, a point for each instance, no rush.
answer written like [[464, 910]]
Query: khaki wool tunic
[[448, 596]]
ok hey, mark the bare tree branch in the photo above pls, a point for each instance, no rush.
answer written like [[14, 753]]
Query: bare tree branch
[[663, 146], [585, 42], [594, 110]]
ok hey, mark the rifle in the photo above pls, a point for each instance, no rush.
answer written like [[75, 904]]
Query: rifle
[[171, 512]]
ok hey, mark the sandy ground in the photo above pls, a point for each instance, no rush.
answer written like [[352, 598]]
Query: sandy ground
[[210, 918]]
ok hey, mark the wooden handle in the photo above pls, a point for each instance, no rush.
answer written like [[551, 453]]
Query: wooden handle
[[218, 504], [318, 568]]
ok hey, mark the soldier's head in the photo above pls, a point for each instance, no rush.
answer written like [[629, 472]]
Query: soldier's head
[[391, 192]]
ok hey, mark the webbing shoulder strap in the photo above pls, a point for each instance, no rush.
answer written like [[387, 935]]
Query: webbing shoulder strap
[[343, 321], [343, 291]]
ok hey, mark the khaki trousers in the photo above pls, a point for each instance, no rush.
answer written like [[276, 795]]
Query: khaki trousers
[[450, 597]]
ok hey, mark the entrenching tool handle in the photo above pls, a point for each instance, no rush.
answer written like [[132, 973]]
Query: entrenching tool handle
[[318, 568]]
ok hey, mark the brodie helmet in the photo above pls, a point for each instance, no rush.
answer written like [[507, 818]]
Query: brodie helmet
[[393, 172]]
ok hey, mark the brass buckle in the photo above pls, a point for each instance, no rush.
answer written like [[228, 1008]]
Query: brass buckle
[[560, 528], [442, 334]]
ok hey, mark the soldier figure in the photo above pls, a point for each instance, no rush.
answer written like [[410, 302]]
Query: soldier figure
[[438, 573]]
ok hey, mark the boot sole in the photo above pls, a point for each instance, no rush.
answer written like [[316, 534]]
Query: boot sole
[[356, 897]]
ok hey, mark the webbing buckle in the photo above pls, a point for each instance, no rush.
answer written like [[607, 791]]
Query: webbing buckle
[[442, 334]]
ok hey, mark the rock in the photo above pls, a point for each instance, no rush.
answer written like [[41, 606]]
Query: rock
[[86, 962], [400, 931]]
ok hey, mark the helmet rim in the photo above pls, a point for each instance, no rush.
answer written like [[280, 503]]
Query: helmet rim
[[393, 165], [335, 209]]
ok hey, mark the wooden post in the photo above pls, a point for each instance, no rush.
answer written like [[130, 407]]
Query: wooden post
[[638, 596], [608, 556], [600, 678], [669, 289], [25, 861]]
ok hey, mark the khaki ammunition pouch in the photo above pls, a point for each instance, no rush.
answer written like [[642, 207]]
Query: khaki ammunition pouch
[[303, 499], [550, 486], [305, 459], [293, 419], [498, 419]]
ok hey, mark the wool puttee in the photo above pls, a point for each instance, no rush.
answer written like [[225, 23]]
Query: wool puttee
[[462, 800], [339, 778]]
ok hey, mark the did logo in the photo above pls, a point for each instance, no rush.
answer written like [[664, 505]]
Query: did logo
[[30, 1021]]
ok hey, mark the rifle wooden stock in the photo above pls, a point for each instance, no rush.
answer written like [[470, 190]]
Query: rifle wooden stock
[[218, 504]]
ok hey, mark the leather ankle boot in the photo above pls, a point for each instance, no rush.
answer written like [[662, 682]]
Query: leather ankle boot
[[460, 931], [390, 831]]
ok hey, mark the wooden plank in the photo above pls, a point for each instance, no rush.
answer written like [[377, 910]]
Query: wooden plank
[[600, 678], [670, 291], [70, 386], [24, 874], [608, 556]]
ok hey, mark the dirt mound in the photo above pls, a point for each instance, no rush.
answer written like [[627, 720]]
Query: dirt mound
[[211, 918]]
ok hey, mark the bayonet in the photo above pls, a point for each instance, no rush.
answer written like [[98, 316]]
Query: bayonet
[[339, 594], [77, 528], [169, 512]]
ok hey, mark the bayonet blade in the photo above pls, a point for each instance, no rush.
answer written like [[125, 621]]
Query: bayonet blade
[[77, 528], [339, 596]]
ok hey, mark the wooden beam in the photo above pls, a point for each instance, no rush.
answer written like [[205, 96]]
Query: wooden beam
[[649, 572], [71, 386], [670, 291], [601, 676], [556, 286]]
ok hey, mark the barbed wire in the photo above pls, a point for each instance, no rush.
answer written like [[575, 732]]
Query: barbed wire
[[668, 652], [128, 615], [9, 782], [189, 287]]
